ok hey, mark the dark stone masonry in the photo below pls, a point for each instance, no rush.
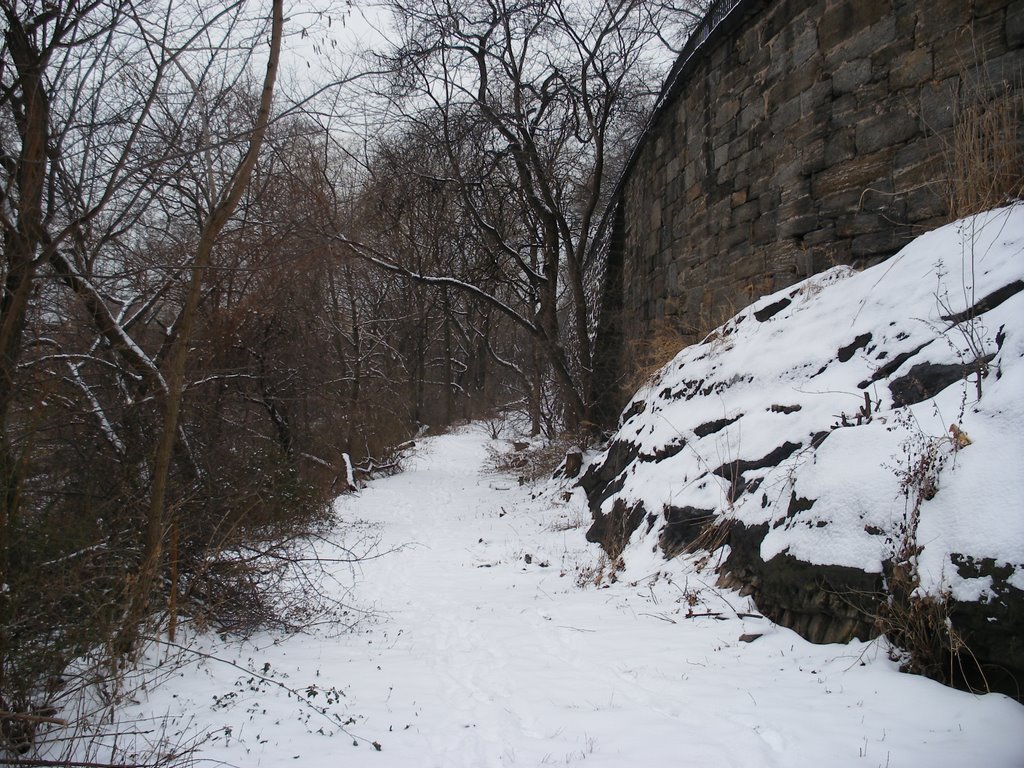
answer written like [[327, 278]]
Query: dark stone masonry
[[800, 135]]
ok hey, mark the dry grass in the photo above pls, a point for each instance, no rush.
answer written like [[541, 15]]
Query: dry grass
[[536, 462], [712, 537], [921, 626], [654, 352], [571, 521], [985, 154], [604, 572]]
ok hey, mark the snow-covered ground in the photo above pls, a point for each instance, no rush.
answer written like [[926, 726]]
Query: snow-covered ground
[[874, 361], [475, 657]]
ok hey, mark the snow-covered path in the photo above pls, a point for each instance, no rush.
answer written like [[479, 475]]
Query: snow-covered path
[[478, 658]]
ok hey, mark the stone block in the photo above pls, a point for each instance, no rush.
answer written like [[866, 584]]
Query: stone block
[[746, 44], [760, 186], [825, 234], [719, 212], [885, 130], [774, 144], [719, 138], [925, 175], [805, 45], [926, 203], [864, 43], [960, 48], [797, 226], [785, 115], [906, 12], [725, 113], [937, 108], [691, 179], [764, 230], [768, 201], [815, 97], [876, 244], [680, 229], [919, 161], [842, 105], [673, 192], [732, 237], [882, 57], [844, 19], [848, 110], [855, 224], [719, 56], [791, 204], [847, 199], [751, 113], [672, 167], [776, 17], [812, 156], [851, 75], [789, 170], [944, 16], [746, 212], [693, 192], [839, 146], [781, 62], [739, 146], [796, 82], [759, 63], [1015, 24], [721, 155], [996, 75], [872, 98], [855, 175], [912, 68], [733, 79]]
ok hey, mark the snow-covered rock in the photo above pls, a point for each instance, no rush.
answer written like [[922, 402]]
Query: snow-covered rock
[[850, 424]]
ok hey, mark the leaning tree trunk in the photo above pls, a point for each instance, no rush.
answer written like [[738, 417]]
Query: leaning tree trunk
[[157, 518], [22, 241]]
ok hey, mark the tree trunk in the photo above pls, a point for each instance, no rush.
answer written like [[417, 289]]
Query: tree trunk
[[157, 517], [22, 244], [449, 384]]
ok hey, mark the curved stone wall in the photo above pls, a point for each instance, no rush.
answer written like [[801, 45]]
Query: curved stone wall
[[801, 135]]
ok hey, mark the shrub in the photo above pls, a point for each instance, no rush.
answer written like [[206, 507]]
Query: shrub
[[918, 623], [654, 352]]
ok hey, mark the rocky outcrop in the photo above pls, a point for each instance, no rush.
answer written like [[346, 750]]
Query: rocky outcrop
[[847, 440], [993, 630], [824, 603]]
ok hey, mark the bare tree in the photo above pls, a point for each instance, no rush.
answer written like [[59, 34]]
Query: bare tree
[[222, 200], [114, 136], [549, 92]]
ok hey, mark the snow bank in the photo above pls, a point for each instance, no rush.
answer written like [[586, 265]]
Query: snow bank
[[823, 413], [474, 655]]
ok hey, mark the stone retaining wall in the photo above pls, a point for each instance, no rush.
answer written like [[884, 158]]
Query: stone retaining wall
[[802, 135]]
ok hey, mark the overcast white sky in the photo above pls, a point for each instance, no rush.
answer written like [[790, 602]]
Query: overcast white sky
[[324, 34]]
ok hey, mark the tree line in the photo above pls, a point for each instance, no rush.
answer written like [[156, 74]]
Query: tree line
[[216, 310]]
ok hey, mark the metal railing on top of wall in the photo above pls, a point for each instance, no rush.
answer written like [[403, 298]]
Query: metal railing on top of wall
[[716, 14]]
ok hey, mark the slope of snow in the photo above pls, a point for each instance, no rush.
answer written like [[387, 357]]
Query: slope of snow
[[792, 372], [476, 658]]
